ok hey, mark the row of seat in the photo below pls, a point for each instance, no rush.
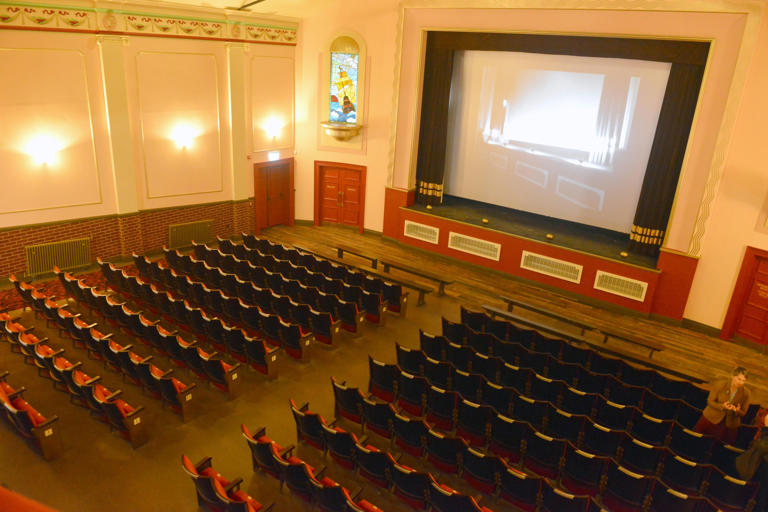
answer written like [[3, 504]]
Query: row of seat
[[483, 333], [83, 389], [28, 421], [224, 337], [206, 365], [139, 370], [216, 492], [350, 304], [526, 480], [302, 479], [536, 450]]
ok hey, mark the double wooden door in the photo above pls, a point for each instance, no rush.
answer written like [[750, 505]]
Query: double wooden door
[[273, 193], [339, 194], [753, 318]]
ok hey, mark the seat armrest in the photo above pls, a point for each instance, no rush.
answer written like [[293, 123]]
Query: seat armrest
[[269, 508], [260, 432], [204, 463], [4, 375], [93, 380], [319, 473], [288, 450], [18, 393], [304, 407], [135, 412], [114, 395], [47, 423], [234, 485]]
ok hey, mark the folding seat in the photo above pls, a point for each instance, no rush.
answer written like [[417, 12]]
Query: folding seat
[[583, 472], [601, 440], [445, 451], [546, 389], [498, 397], [680, 389], [374, 465], [261, 357], [281, 305], [44, 359], [378, 416], [432, 346], [537, 361], [250, 241], [270, 327], [351, 314], [543, 455], [23, 288], [612, 415], [374, 307], [641, 457], [488, 366], [499, 328], [438, 373], [412, 393], [444, 499], [590, 382], [348, 401], [333, 305], [555, 500], [395, 298], [723, 456], [411, 486], [301, 315], [551, 346], [659, 407], [529, 410], [516, 377], [265, 452], [129, 364], [475, 320], [230, 307], [309, 425], [343, 290], [468, 385], [564, 425], [324, 327], [690, 445], [410, 434], [605, 365], [520, 489], [454, 332], [626, 490], [371, 284], [481, 342], [410, 360], [121, 416], [460, 356], [624, 394], [340, 444], [295, 340], [685, 475], [566, 372], [222, 375], [383, 379], [746, 434], [302, 480], [481, 470], [234, 339], [94, 339], [176, 394], [651, 430], [664, 498], [635, 376], [576, 401], [521, 336], [258, 275], [205, 479], [442, 408], [474, 422]]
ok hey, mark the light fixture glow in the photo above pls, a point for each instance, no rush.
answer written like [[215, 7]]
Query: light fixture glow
[[184, 135], [273, 155], [43, 149], [273, 126]]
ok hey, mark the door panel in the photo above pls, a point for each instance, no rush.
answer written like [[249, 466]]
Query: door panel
[[753, 321], [339, 194], [350, 198], [277, 195], [330, 208]]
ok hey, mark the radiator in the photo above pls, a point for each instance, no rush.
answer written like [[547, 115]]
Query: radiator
[[182, 235], [65, 254]]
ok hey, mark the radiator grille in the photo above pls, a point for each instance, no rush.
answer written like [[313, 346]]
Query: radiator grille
[[551, 266], [65, 254], [620, 285], [422, 232], [476, 246], [182, 235]]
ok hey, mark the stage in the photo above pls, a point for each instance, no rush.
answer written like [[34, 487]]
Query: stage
[[569, 235]]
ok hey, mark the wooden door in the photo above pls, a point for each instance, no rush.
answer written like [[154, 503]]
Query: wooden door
[[339, 194], [273, 193], [753, 320]]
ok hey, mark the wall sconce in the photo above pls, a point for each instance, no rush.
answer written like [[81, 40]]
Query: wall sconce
[[184, 135], [43, 149], [273, 126]]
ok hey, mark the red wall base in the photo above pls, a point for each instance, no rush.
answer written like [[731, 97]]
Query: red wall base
[[121, 235], [394, 198]]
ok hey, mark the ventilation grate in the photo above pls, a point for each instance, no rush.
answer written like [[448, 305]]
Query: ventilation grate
[[620, 285], [421, 232], [65, 254], [476, 246], [551, 266], [182, 235]]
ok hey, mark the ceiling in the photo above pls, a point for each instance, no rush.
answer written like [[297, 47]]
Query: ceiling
[[291, 8]]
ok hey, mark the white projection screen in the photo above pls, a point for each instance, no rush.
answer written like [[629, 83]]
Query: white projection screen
[[556, 135]]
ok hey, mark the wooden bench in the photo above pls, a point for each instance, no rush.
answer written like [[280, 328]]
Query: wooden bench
[[386, 265], [341, 249], [607, 333], [651, 345], [573, 338]]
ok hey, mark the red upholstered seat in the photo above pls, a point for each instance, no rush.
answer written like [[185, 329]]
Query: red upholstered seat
[[29, 338], [155, 371], [368, 506], [242, 496], [162, 331], [14, 326], [35, 417], [178, 385], [135, 358], [217, 477], [94, 332], [62, 363], [44, 350]]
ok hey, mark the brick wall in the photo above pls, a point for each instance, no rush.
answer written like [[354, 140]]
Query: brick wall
[[115, 235]]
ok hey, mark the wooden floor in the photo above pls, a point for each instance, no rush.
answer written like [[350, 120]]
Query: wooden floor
[[690, 352]]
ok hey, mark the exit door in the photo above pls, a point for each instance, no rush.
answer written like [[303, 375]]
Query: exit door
[[753, 320], [339, 194], [273, 193]]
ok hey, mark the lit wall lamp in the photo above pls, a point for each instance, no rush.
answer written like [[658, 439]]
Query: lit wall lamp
[[273, 126], [184, 135], [43, 149]]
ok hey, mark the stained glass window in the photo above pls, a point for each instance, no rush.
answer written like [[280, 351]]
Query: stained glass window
[[343, 87]]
